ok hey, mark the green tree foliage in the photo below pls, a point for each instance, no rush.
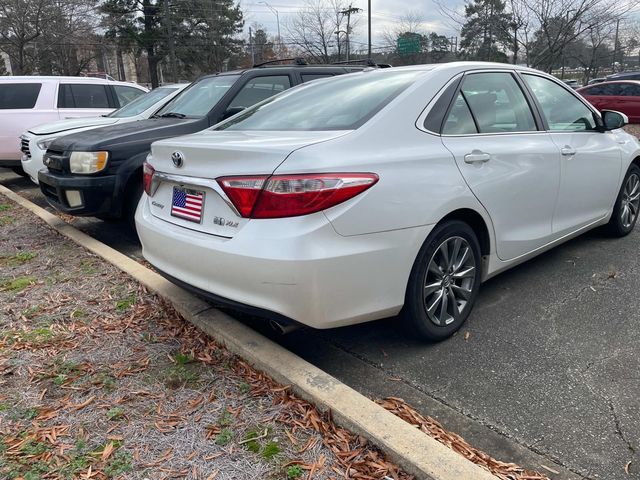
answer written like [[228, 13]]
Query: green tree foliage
[[485, 33]]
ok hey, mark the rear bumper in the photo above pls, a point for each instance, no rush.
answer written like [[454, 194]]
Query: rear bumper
[[96, 193], [297, 268], [9, 163]]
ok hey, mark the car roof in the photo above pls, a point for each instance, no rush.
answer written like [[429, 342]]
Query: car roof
[[55, 78], [613, 82]]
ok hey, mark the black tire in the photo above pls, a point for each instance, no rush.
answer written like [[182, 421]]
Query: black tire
[[19, 171], [619, 225], [421, 281], [131, 200]]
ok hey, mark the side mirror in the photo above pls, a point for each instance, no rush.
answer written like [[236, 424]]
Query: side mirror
[[232, 111], [613, 120]]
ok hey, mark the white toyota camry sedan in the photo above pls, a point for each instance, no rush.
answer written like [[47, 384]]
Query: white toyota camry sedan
[[384, 192]]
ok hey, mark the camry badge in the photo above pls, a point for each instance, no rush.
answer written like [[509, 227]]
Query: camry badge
[[177, 158]]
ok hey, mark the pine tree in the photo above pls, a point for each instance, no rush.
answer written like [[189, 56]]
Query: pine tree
[[486, 31]]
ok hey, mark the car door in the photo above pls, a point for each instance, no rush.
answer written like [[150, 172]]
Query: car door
[[83, 100], [590, 159], [509, 164], [630, 101]]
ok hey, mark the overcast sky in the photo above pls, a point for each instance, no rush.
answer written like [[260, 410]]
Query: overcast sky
[[385, 14]]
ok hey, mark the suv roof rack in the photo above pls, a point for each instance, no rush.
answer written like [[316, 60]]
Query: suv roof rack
[[367, 61], [294, 61]]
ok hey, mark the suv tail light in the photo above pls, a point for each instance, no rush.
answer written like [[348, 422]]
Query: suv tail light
[[147, 177], [278, 196]]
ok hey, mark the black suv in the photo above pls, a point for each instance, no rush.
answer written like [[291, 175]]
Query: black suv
[[99, 172]]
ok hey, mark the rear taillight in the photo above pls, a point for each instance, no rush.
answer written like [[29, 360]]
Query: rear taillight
[[278, 196], [147, 177]]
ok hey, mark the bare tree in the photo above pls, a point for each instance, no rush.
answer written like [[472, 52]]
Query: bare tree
[[317, 28], [410, 22], [559, 23], [21, 22]]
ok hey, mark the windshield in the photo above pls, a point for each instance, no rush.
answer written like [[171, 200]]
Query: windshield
[[143, 102], [197, 100], [340, 103]]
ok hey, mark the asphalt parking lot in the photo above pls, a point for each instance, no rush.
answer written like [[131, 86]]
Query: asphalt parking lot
[[546, 371]]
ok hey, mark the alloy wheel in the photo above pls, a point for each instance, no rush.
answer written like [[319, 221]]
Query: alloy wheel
[[630, 201], [449, 281]]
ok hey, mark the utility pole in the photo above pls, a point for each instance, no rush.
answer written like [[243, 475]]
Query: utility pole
[[348, 13], [172, 47], [369, 28], [253, 55], [615, 47], [278, 22]]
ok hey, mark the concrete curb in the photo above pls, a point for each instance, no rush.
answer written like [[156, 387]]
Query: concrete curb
[[414, 451]]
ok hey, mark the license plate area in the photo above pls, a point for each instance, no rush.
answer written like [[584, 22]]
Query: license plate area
[[187, 204]]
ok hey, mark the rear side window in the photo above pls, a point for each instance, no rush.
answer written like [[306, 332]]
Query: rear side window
[[604, 90], [126, 94], [629, 90], [309, 77], [259, 89], [83, 96], [459, 121], [19, 95], [497, 103]]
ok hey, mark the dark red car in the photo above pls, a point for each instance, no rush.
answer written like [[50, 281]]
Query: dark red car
[[623, 96]]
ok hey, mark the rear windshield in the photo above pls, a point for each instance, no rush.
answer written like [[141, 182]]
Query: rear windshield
[[340, 103], [198, 100], [140, 104], [19, 95]]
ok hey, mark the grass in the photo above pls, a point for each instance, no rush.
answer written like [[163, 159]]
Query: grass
[[179, 375], [120, 464], [7, 220], [17, 259], [4, 207], [224, 437], [126, 303], [115, 413], [17, 284], [270, 451], [294, 472], [244, 387]]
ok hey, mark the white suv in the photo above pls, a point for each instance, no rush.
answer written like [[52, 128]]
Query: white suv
[[29, 101], [36, 140]]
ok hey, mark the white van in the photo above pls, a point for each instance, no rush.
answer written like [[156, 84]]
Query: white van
[[32, 100], [37, 139]]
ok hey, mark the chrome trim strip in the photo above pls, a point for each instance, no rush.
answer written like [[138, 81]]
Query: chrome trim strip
[[183, 180]]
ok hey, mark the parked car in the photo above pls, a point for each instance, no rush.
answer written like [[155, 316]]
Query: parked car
[[572, 83], [593, 81], [36, 140], [624, 76], [387, 191], [620, 96], [99, 172], [29, 101]]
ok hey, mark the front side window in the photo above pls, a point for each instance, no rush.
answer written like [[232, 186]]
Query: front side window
[[83, 96], [562, 110], [198, 99], [143, 102], [260, 88], [343, 103], [127, 94], [19, 95], [497, 103], [459, 121]]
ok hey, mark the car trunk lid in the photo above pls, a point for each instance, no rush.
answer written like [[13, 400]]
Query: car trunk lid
[[187, 193]]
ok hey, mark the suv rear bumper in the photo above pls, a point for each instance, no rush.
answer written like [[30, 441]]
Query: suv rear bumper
[[95, 193], [10, 163]]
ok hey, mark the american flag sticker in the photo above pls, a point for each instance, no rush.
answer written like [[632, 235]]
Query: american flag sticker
[[187, 204]]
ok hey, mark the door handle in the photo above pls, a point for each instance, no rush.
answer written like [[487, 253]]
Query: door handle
[[567, 151], [477, 157]]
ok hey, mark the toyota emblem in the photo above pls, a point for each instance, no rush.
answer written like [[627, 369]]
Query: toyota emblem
[[177, 158]]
